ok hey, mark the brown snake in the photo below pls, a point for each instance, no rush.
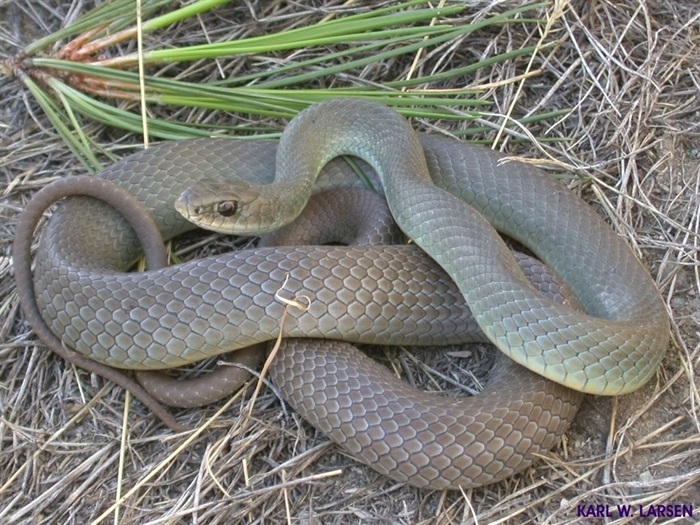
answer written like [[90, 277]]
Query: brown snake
[[389, 295]]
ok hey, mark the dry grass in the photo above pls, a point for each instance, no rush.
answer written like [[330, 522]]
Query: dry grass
[[629, 71]]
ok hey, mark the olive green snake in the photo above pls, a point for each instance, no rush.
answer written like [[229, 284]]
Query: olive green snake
[[386, 295]]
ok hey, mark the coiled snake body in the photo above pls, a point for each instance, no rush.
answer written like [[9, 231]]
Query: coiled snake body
[[388, 295]]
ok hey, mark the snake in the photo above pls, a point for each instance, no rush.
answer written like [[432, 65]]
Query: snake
[[447, 196]]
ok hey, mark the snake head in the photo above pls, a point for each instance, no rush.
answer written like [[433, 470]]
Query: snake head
[[236, 207]]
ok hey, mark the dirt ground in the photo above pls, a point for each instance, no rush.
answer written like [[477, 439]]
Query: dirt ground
[[628, 73]]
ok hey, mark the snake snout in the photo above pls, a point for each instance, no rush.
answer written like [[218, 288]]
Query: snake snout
[[185, 206]]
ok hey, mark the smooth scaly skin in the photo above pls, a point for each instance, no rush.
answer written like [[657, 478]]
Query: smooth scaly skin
[[418, 437], [518, 416], [407, 434], [88, 305], [613, 350], [344, 215]]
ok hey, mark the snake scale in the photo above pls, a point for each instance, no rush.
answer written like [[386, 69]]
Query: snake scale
[[385, 295]]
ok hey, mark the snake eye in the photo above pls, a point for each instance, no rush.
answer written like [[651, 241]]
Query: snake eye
[[227, 208]]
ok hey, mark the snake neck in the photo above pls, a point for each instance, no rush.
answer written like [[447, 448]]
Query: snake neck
[[369, 131]]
